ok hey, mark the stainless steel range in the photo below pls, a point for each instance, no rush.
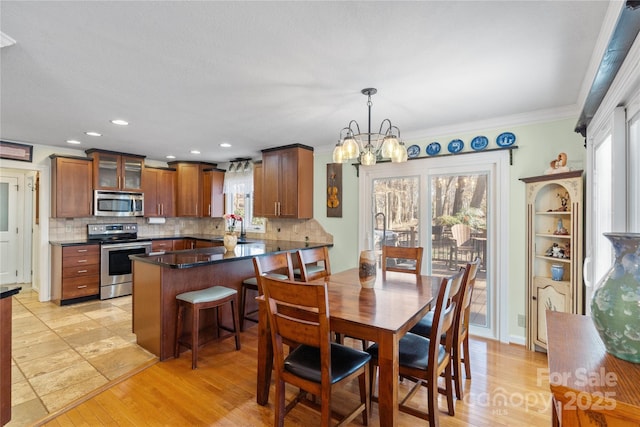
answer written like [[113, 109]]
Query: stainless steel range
[[117, 242]]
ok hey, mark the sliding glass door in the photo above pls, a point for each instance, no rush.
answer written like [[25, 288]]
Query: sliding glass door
[[459, 232], [447, 206]]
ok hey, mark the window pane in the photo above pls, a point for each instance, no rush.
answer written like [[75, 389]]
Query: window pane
[[459, 232], [634, 174], [4, 206], [602, 190], [397, 208]]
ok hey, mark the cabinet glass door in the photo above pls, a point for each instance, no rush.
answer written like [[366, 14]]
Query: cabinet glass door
[[108, 171], [132, 173]]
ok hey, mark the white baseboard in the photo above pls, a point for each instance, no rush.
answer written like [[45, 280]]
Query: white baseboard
[[517, 339]]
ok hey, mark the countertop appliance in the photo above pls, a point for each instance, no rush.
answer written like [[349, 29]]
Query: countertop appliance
[[117, 242], [118, 203]]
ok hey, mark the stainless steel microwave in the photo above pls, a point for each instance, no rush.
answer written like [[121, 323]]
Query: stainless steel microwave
[[117, 203]]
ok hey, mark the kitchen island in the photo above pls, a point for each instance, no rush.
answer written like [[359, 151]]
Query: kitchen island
[[159, 277], [6, 294]]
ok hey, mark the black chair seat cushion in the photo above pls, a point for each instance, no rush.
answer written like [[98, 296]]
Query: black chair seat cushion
[[414, 351], [423, 327], [304, 362]]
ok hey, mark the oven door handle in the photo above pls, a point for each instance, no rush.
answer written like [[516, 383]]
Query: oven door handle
[[140, 245]]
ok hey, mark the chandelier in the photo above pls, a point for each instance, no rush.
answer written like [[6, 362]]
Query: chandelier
[[368, 146]]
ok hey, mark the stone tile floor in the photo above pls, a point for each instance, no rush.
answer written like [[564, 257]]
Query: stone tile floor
[[60, 353]]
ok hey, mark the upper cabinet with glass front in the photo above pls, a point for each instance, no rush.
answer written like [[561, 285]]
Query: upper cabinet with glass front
[[116, 171]]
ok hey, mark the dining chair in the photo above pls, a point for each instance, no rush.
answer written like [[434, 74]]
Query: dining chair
[[300, 312], [422, 360], [277, 265], [461, 337], [402, 259], [462, 242], [313, 263], [461, 326]]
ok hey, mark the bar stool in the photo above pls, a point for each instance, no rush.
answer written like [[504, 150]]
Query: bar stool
[[251, 284], [270, 265], [213, 297]]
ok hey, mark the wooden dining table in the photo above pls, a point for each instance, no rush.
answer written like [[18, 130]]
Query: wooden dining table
[[383, 314]]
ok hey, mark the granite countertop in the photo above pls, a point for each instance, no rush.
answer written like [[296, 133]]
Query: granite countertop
[[204, 256], [205, 237], [9, 290]]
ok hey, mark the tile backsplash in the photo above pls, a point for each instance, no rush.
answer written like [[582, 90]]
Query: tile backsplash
[[298, 230]]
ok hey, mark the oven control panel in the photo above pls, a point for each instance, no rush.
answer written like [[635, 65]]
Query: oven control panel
[[96, 230]]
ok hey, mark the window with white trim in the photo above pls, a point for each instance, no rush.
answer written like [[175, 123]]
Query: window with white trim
[[238, 192]]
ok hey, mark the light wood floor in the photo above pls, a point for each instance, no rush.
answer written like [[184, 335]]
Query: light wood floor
[[509, 388]]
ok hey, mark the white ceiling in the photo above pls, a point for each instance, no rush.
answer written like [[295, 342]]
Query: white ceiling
[[190, 75]]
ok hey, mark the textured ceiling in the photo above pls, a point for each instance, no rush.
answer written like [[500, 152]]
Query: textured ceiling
[[190, 75]]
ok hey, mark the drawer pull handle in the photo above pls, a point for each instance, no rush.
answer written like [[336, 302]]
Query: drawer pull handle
[[82, 250], [82, 271], [82, 260], [82, 286]]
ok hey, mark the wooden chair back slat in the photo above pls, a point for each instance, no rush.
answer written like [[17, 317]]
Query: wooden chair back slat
[[405, 253], [314, 256]]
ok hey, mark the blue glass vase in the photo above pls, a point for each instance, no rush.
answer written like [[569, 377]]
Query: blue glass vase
[[615, 307]]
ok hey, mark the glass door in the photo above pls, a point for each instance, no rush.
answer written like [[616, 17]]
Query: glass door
[[459, 232], [396, 212], [449, 206], [8, 227]]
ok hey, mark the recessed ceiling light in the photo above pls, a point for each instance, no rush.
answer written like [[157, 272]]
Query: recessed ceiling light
[[73, 141], [90, 133], [225, 145], [5, 40], [194, 152], [120, 122], [171, 156]]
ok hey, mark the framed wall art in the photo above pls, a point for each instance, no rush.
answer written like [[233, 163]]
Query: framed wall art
[[334, 190], [15, 151]]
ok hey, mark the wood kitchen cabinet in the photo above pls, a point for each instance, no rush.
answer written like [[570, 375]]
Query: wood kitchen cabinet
[[163, 245], [182, 244], [258, 202], [116, 171], [158, 186], [213, 193], [71, 194], [199, 188], [75, 273], [287, 182]]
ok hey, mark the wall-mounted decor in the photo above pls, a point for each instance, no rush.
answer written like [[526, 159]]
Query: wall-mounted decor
[[334, 190], [15, 151]]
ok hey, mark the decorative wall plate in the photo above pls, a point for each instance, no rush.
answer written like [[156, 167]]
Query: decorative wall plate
[[433, 148], [505, 139], [455, 146], [413, 151], [479, 143]]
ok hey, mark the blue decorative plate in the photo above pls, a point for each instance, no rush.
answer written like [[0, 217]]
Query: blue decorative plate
[[505, 139], [433, 148], [413, 151], [479, 143], [455, 146]]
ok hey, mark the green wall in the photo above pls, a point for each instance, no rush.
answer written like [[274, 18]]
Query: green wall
[[538, 144]]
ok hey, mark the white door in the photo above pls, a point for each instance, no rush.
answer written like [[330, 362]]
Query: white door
[[8, 230]]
